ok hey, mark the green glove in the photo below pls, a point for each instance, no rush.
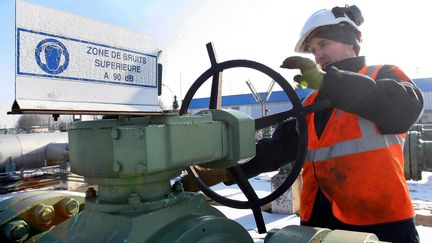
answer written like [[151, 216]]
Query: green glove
[[312, 75], [209, 176]]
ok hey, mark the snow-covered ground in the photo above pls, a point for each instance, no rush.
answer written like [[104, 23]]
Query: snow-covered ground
[[421, 195]]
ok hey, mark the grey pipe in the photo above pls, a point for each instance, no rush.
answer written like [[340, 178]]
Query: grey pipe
[[27, 151]]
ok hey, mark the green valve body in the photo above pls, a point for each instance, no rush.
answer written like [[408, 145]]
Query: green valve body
[[133, 161]]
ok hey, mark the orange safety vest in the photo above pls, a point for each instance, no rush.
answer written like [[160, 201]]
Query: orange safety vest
[[359, 170]]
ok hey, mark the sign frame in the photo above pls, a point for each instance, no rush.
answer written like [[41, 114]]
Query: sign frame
[[48, 81]]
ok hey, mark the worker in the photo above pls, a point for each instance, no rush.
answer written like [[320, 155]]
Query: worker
[[353, 176]]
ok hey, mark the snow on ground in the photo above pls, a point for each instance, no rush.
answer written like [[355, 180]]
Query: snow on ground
[[421, 195]]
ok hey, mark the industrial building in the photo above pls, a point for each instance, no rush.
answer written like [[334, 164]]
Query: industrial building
[[279, 102]]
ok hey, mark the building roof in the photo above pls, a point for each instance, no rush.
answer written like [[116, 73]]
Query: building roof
[[247, 99], [425, 85]]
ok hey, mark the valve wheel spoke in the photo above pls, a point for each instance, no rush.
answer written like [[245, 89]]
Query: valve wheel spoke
[[297, 112]]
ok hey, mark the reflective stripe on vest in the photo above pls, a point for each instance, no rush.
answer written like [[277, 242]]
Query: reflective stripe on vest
[[370, 71], [369, 141]]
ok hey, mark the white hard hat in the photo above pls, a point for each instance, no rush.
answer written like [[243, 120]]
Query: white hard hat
[[324, 17]]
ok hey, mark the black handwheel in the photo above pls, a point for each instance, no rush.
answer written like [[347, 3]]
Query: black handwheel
[[297, 112]]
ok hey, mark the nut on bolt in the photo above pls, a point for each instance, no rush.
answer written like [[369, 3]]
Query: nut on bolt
[[15, 231], [68, 207], [117, 166], [115, 133], [43, 214]]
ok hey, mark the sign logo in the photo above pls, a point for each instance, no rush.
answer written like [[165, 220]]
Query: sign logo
[[52, 56]]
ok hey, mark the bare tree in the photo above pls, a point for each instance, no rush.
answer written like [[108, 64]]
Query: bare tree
[[162, 105], [29, 121]]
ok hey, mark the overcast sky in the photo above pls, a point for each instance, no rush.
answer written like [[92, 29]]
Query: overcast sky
[[394, 32]]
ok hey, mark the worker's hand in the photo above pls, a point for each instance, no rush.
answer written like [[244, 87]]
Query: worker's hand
[[312, 74], [209, 176]]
